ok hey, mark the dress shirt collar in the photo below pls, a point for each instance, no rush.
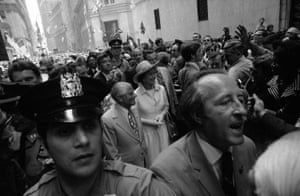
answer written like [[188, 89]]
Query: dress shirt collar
[[212, 154], [121, 108]]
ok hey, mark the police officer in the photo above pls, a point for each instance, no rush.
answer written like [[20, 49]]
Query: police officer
[[118, 61], [68, 117]]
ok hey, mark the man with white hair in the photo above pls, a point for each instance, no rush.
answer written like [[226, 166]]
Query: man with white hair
[[277, 170]]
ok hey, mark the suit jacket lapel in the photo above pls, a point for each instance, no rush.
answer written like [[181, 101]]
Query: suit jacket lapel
[[120, 119], [203, 170]]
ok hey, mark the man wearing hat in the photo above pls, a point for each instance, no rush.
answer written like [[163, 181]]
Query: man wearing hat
[[68, 117], [240, 68], [292, 34], [117, 60]]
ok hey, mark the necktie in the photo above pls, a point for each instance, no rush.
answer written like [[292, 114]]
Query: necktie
[[132, 122], [227, 171]]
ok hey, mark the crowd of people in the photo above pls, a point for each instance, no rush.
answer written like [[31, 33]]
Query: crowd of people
[[206, 116]]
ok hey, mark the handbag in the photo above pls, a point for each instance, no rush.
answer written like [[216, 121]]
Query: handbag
[[171, 126]]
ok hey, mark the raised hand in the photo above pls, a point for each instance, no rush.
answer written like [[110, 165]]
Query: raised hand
[[244, 36]]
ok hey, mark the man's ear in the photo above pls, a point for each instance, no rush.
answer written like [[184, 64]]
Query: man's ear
[[193, 57], [198, 118], [120, 99]]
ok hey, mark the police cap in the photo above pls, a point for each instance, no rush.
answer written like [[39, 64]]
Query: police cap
[[67, 99], [115, 43]]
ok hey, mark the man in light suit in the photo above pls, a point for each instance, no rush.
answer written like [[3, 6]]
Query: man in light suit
[[214, 158], [123, 136]]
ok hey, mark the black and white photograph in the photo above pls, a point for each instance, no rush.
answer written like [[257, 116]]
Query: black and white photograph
[[149, 97]]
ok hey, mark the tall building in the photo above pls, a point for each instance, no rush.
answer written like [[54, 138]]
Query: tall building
[[81, 28], [65, 25], [16, 28], [82, 25], [46, 7], [172, 19], [57, 23], [108, 17]]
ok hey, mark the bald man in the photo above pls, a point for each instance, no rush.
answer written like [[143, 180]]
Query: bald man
[[123, 135]]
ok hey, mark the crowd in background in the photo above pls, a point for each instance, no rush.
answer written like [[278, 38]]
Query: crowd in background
[[264, 64]]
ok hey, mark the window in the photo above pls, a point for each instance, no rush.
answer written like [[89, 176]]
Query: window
[[202, 10], [2, 14], [157, 19], [107, 2], [111, 28]]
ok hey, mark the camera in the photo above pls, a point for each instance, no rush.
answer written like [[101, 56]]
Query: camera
[[250, 105]]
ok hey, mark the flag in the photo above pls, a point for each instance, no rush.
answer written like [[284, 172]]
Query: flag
[[38, 34], [3, 53], [131, 42]]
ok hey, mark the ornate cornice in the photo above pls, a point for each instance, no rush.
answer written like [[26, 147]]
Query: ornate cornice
[[136, 2], [112, 9]]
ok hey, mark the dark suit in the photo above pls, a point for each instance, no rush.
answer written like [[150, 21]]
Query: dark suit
[[187, 73], [186, 170], [100, 76], [275, 126], [120, 140]]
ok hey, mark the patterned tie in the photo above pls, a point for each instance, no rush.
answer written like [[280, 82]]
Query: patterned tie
[[132, 123], [227, 171]]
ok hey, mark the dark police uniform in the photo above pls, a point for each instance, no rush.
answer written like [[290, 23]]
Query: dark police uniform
[[52, 101]]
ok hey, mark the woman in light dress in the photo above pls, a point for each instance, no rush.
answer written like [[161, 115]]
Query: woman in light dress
[[153, 105]]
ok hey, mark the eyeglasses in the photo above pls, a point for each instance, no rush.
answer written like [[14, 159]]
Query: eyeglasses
[[206, 40]]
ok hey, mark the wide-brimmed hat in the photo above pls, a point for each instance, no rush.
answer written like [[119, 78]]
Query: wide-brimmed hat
[[293, 30], [142, 68]]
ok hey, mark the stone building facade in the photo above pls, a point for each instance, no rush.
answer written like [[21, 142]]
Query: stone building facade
[[82, 25], [16, 28]]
